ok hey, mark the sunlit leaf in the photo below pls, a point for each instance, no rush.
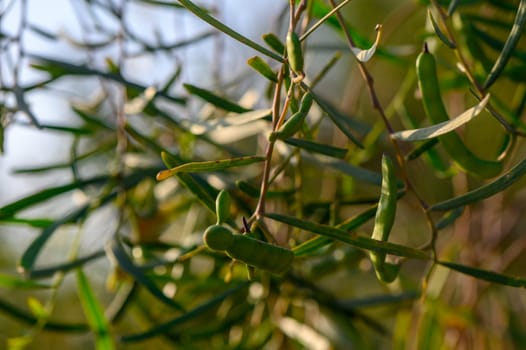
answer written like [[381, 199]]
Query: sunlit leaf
[[444, 127], [366, 54], [213, 165]]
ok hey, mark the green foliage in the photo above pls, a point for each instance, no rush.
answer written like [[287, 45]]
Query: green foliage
[[298, 182]]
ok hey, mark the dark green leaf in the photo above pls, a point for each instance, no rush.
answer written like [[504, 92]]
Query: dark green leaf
[[27, 318], [44, 195], [188, 316], [488, 190], [49, 271], [317, 147], [115, 249], [441, 35], [511, 42], [486, 275], [356, 241], [60, 68]]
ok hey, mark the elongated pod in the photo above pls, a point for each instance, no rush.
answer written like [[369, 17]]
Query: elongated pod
[[383, 221], [222, 206], [436, 112], [248, 250], [294, 52], [294, 123]]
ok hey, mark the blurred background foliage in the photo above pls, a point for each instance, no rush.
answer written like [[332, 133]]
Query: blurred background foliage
[[97, 253]]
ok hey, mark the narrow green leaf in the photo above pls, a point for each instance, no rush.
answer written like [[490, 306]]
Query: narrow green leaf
[[37, 223], [255, 192], [66, 129], [7, 281], [31, 254], [163, 3], [203, 191], [49, 271], [214, 99], [213, 165], [423, 148], [449, 218], [509, 46], [262, 68], [200, 188], [353, 240], [356, 172], [310, 246], [23, 106], [274, 43], [323, 19], [199, 12], [343, 123], [43, 32], [315, 147], [22, 315], [92, 120], [221, 125], [59, 68], [94, 313], [488, 190], [444, 127], [377, 300], [188, 316], [441, 35], [486, 275], [115, 250], [44, 195]]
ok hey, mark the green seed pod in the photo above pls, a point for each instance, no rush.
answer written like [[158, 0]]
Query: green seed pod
[[436, 112], [218, 238], [259, 254], [253, 252], [222, 206], [294, 123], [294, 52], [383, 222]]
